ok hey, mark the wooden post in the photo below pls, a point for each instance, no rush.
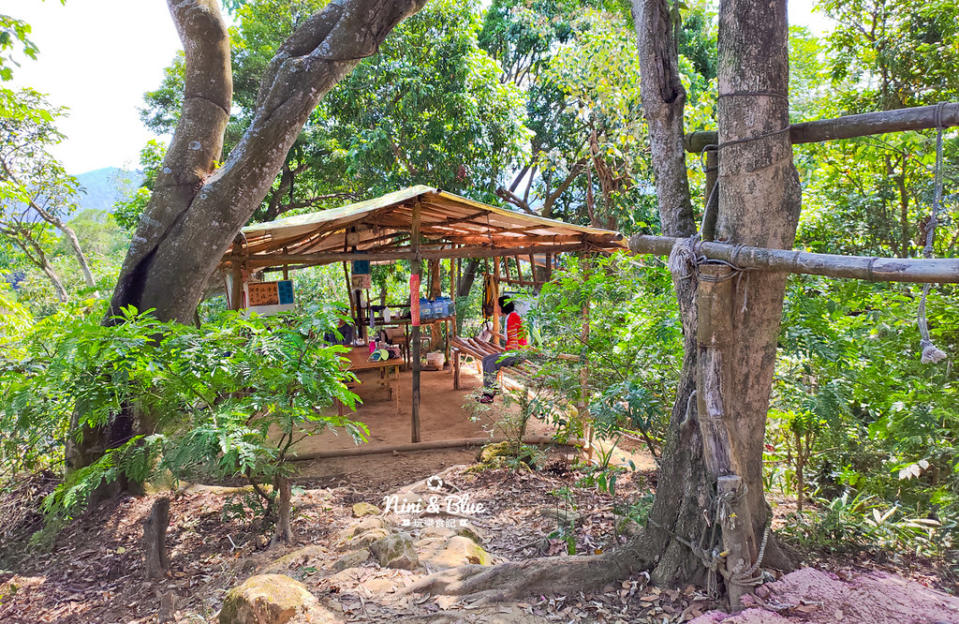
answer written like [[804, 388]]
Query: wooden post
[[584, 375], [286, 267], [236, 297], [416, 270], [349, 289], [714, 306], [454, 288], [435, 291], [496, 310]]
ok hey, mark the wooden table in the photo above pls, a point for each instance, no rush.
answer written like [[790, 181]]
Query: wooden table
[[449, 321], [359, 360]]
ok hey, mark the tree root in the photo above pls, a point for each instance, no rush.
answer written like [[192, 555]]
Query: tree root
[[514, 580], [484, 585]]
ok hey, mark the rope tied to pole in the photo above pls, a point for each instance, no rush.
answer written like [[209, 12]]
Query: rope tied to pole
[[708, 551], [931, 354], [686, 257]]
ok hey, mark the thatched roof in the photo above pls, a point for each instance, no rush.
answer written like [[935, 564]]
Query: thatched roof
[[379, 229]]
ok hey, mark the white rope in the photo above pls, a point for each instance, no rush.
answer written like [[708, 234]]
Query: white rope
[[931, 354]]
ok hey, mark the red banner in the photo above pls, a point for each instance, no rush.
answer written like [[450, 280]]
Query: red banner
[[414, 299]]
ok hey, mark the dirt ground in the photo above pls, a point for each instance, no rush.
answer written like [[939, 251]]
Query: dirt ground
[[445, 413], [93, 571]]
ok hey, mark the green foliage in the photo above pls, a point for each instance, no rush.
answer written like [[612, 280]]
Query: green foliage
[[227, 399], [566, 519], [876, 424], [127, 212], [632, 353], [850, 523]]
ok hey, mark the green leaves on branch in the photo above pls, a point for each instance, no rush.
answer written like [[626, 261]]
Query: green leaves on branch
[[228, 399]]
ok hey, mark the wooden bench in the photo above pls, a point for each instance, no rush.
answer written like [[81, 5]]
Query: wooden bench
[[478, 349]]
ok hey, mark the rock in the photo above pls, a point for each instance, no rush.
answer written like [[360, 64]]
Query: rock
[[298, 558], [363, 533], [470, 532], [352, 559], [365, 509], [273, 599], [466, 530], [396, 551], [491, 452], [438, 553], [379, 585]]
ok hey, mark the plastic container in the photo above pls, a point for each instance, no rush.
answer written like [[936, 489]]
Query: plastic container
[[445, 306], [435, 359], [426, 309]]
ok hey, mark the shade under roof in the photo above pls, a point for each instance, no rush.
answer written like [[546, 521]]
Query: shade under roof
[[380, 229]]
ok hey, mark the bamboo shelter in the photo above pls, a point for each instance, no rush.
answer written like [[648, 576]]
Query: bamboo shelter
[[415, 224]]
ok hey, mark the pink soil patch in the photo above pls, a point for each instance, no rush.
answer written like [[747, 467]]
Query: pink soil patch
[[818, 597]]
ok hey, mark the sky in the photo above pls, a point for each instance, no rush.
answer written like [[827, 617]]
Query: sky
[[98, 58]]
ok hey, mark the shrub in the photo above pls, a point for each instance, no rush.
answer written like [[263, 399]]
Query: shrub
[[228, 399]]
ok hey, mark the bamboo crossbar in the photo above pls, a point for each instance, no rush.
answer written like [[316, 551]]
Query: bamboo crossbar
[[851, 126], [312, 259], [916, 270]]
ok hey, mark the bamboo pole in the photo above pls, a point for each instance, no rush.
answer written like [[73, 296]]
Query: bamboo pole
[[427, 446], [270, 260], [851, 126], [916, 270]]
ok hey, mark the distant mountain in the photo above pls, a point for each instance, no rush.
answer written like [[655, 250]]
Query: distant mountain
[[106, 186]]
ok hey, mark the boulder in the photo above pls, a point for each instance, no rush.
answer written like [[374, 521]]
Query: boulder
[[441, 553], [363, 533], [396, 551], [490, 452], [352, 559], [301, 557], [466, 530], [272, 599], [365, 509]]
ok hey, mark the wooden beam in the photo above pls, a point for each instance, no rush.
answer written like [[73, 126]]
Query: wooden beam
[[851, 126], [268, 260], [924, 271]]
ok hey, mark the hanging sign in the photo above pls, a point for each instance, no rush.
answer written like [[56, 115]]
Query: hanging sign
[[361, 281], [270, 297], [414, 300]]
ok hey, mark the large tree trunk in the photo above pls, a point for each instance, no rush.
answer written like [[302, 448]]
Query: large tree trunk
[[683, 488], [196, 210], [759, 204], [760, 175]]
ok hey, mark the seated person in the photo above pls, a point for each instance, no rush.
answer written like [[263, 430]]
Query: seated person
[[515, 341], [344, 333]]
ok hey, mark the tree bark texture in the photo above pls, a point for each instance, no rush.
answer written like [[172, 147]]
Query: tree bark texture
[[683, 489], [155, 558], [196, 210], [759, 202], [284, 532]]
